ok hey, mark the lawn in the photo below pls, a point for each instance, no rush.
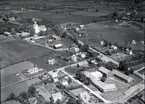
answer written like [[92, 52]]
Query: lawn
[[112, 33], [15, 51], [12, 78], [16, 89]]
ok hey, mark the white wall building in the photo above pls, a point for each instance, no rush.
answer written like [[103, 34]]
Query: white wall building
[[57, 96], [36, 27], [105, 71], [34, 70], [57, 45], [94, 75]]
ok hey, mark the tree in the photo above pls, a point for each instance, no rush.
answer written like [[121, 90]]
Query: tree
[[32, 89], [51, 100], [84, 48], [24, 95], [123, 66], [71, 101], [58, 102], [12, 96]]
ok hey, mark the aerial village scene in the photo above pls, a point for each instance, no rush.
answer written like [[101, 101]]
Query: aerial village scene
[[72, 51]]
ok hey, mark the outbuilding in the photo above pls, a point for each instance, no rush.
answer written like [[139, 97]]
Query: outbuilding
[[57, 46]]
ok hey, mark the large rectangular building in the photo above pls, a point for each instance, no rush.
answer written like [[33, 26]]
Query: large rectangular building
[[122, 76], [105, 71], [95, 79]]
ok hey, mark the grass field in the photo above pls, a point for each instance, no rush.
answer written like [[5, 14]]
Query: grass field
[[16, 68], [59, 18], [119, 35], [15, 51], [16, 89], [12, 78], [43, 61], [87, 13]]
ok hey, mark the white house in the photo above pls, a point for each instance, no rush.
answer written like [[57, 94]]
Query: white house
[[33, 100], [42, 28], [84, 96], [34, 70], [57, 46], [7, 33], [51, 61], [114, 47], [57, 96], [74, 58], [102, 42], [133, 42]]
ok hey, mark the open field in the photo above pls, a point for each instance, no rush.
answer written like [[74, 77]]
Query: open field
[[16, 68], [56, 18], [15, 51], [17, 89], [43, 61], [12, 78], [113, 33], [87, 13]]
